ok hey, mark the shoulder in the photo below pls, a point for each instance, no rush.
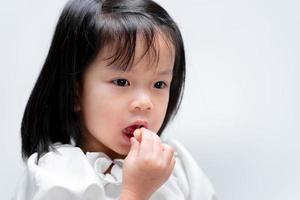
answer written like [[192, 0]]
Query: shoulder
[[58, 156], [189, 173], [63, 172], [62, 159]]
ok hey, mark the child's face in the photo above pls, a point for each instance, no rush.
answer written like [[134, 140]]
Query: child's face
[[112, 100]]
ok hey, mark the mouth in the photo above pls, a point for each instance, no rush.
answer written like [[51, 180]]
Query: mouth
[[128, 131]]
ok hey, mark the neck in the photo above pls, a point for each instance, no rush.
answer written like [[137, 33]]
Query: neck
[[90, 144]]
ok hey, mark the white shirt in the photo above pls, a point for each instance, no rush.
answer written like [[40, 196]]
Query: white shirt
[[66, 173]]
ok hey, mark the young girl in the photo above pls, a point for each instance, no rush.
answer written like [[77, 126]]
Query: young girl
[[111, 82]]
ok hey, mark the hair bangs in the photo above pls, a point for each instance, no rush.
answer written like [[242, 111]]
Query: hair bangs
[[119, 34]]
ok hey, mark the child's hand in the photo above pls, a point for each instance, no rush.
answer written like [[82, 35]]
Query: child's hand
[[148, 164]]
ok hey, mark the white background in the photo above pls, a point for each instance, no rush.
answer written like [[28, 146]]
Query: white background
[[240, 114]]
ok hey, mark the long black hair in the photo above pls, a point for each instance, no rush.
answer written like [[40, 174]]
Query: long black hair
[[84, 28]]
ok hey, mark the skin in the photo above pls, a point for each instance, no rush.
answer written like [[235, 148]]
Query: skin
[[147, 166], [111, 100]]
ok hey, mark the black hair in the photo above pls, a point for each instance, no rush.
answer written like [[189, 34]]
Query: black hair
[[84, 28]]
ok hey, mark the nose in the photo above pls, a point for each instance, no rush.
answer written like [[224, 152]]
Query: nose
[[141, 102]]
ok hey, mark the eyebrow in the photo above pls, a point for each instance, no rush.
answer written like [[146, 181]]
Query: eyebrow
[[164, 72]]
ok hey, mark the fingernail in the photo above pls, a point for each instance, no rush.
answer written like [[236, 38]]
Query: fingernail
[[136, 132]]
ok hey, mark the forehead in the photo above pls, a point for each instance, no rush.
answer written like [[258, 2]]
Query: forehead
[[157, 53]]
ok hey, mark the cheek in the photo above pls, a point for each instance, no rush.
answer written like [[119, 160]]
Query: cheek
[[161, 110], [93, 105], [164, 103], [101, 107]]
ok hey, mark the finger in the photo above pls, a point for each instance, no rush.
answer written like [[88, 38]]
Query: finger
[[138, 135], [168, 153], [158, 148], [134, 148], [146, 147], [172, 165]]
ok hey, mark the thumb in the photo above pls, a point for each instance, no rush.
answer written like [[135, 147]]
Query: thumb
[[138, 135], [134, 146]]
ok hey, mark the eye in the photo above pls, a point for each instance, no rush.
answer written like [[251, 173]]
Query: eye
[[160, 85], [121, 82]]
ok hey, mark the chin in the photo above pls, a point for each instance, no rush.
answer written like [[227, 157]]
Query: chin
[[119, 154]]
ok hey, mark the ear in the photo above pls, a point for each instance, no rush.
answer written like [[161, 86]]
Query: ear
[[77, 107]]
